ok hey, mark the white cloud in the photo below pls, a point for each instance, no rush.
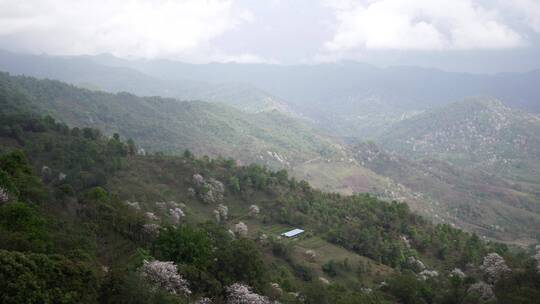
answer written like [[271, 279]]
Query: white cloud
[[240, 58], [529, 9], [140, 28], [418, 25]]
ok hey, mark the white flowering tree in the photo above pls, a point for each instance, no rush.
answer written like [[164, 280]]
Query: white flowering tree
[[165, 275], [241, 229], [416, 264], [133, 205], [151, 230], [483, 291], [198, 179], [161, 206], [494, 267], [204, 301], [428, 274], [211, 190], [151, 216], [310, 255], [176, 215], [4, 197], [221, 213], [254, 210], [217, 185], [46, 172], [458, 273], [242, 294], [61, 176], [537, 258]]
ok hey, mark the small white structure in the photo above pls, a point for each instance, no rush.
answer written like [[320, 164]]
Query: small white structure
[[293, 233]]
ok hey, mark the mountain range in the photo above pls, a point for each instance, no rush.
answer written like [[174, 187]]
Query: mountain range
[[471, 163], [85, 219], [121, 183]]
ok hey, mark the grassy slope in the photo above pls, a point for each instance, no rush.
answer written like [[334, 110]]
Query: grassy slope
[[159, 124], [479, 158], [168, 125], [469, 198], [151, 179], [168, 178], [337, 228], [86, 72], [476, 132]]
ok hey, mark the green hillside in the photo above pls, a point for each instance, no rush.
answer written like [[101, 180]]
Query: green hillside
[[470, 198], [80, 212], [87, 72], [482, 133], [477, 158], [171, 126]]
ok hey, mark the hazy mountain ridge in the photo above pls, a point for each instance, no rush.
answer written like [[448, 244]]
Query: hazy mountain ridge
[[161, 124], [345, 98], [85, 218], [87, 73], [504, 186], [279, 141], [475, 132], [169, 125], [472, 198]]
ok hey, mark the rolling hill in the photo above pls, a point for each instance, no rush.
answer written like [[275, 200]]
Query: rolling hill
[[83, 219], [344, 99], [350, 98], [477, 133], [472, 199], [171, 126], [85, 72]]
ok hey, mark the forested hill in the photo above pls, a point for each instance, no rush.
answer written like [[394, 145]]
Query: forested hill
[[88, 73], [471, 197], [479, 133], [171, 126], [476, 131], [84, 219], [344, 99]]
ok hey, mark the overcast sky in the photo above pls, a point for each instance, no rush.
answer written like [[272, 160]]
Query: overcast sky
[[459, 35]]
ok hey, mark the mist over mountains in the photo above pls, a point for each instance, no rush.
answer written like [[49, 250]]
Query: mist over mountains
[[344, 99], [212, 135], [463, 162], [270, 152]]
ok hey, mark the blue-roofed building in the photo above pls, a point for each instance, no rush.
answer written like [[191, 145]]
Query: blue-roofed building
[[292, 233]]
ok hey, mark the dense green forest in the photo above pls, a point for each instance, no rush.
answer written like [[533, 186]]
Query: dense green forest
[[169, 125], [85, 219], [497, 202]]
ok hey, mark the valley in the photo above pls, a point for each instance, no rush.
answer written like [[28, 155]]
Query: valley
[[192, 162], [270, 152], [461, 164]]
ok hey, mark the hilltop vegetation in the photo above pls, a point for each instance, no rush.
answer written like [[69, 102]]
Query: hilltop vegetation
[[350, 98], [475, 132], [86, 72], [480, 159], [467, 197], [82, 212], [498, 203], [171, 126], [344, 99], [477, 135]]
